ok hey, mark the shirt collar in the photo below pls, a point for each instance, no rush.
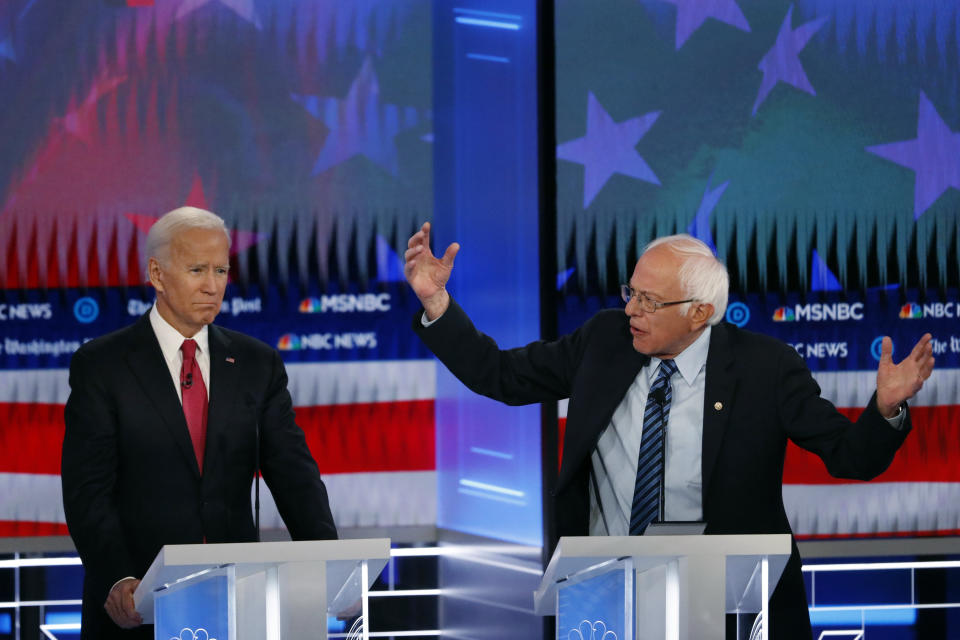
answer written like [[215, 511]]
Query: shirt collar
[[170, 339], [689, 361]]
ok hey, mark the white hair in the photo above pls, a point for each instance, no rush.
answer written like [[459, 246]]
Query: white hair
[[165, 229], [702, 276]]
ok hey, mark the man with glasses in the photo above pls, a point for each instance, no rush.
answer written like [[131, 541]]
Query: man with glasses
[[692, 422]]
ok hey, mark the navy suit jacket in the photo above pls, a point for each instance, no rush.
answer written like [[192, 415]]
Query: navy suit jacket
[[131, 482], [759, 393]]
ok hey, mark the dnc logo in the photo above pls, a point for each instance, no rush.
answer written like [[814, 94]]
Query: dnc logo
[[784, 314], [289, 342], [911, 310]]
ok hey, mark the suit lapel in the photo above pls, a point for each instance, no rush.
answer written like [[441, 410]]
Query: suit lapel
[[590, 414], [149, 368], [224, 385], [717, 400]]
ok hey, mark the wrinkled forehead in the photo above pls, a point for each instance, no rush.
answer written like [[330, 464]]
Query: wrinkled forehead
[[204, 245]]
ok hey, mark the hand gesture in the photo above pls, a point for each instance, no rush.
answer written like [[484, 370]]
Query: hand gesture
[[119, 604], [898, 382], [426, 274]]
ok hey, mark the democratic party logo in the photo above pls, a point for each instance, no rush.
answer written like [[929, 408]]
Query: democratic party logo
[[289, 342], [876, 348], [86, 310], [309, 305], [738, 314], [784, 314]]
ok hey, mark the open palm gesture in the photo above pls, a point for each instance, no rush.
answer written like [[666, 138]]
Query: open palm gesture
[[899, 382], [426, 274]]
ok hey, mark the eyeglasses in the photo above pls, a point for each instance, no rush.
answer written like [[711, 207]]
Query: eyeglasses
[[646, 304]]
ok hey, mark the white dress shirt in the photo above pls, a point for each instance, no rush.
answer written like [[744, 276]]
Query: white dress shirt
[[170, 340]]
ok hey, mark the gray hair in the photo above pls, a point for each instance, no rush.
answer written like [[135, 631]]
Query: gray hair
[[165, 229], [702, 276]]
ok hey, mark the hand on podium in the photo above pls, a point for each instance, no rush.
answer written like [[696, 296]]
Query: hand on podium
[[119, 604]]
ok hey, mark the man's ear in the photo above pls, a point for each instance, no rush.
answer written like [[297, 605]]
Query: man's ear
[[701, 314], [155, 273]]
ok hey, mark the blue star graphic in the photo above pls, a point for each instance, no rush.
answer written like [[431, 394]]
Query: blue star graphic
[[691, 14], [700, 226], [609, 147], [782, 62], [934, 155], [359, 123]]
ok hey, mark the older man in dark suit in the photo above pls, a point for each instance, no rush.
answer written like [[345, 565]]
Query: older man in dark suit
[[161, 430], [673, 414]]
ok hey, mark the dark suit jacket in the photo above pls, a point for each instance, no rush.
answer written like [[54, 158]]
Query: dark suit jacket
[[131, 482], [766, 396]]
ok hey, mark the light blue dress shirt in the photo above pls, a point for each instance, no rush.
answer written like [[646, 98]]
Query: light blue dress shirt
[[615, 458]]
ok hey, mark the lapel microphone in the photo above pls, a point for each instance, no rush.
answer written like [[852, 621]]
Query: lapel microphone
[[187, 382]]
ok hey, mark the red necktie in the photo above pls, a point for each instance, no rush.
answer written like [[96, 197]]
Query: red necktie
[[194, 399]]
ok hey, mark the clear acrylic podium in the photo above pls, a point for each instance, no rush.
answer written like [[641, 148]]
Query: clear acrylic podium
[[272, 590], [677, 587]]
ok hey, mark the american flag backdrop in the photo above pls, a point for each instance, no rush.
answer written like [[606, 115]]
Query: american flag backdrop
[[308, 127], [816, 145]]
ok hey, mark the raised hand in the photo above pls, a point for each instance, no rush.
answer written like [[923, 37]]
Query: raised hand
[[428, 275], [899, 382]]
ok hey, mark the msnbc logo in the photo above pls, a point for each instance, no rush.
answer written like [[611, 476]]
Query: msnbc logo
[[911, 310], [288, 342], [309, 305], [783, 314]]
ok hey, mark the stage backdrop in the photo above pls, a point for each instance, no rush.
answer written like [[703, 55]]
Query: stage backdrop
[[308, 127], [816, 145]]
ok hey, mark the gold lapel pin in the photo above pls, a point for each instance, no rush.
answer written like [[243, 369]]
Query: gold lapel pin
[[718, 406]]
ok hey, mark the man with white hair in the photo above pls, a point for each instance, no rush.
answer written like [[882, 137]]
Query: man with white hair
[[728, 399], [166, 423]]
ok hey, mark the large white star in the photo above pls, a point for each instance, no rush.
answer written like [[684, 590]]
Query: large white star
[[608, 148]]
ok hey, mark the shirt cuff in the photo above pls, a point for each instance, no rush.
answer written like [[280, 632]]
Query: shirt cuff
[[118, 582], [427, 323], [897, 421]]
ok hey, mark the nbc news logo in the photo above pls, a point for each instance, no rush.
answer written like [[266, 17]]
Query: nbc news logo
[[913, 311]]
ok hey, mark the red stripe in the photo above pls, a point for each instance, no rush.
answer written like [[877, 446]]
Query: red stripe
[[930, 453], [31, 437], [17, 528], [371, 436], [345, 438], [882, 534]]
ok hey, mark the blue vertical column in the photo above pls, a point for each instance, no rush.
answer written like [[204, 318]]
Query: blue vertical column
[[485, 138]]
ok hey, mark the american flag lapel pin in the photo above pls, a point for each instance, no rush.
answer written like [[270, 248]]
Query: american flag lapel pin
[[231, 360]]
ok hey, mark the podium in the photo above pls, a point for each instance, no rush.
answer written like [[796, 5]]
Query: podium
[[273, 590], [674, 587]]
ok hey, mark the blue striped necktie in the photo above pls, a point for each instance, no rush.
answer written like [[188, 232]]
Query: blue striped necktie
[[647, 491]]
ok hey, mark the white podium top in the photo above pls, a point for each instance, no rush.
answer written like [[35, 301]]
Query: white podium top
[[577, 553], [177, 561]]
